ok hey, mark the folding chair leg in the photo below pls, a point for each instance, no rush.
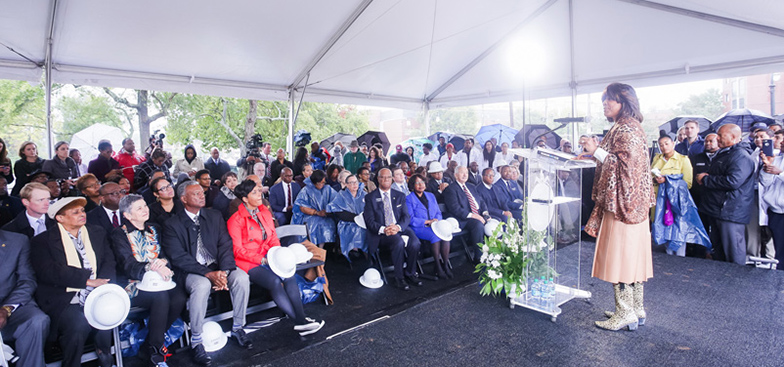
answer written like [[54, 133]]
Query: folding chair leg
[[422, 273], [117, 347], [376, 258]]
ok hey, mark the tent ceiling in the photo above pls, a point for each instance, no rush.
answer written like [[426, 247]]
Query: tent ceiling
[[388, 52]]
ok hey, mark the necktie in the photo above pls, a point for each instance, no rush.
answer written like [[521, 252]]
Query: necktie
[[115, 221], [288, 195], [202, 255], [389, 217], [41, 227], [471, 202]]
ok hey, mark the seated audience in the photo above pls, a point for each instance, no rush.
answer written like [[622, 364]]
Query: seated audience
[[90, 188], [399, 181], [145, 169], [61, 166], [130, 160], [205, 181], [137, 248], [10, 206], [363, 174], [463, 203], [253, 235], [218, 167], [5, 163], [277, 165], [28, 163], [225, 194], [70, 261], [333, 171], [310, 207], [307, 170], [33, 220], [496, 207], [437, 182], [387, 220], [190, 164], [104, 164], [424, 211], [508, 191], [282, 196], [21, 321], [166, 204], [207, 264], [348, 204], [81, 167], [107, 215]]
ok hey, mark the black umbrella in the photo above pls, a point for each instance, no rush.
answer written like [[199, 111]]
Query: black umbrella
[[458, 140], [530, 133], [671, 127], [374, 137], [341, 137], [779, 119], [743, 117]]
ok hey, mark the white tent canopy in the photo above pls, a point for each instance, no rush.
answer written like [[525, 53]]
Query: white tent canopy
[[399, 53]]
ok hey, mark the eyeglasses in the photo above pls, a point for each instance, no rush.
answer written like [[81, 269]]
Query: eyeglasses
[[169, 186], [118, 193]]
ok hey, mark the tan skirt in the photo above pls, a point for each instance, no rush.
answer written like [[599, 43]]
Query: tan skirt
[[623, 251]]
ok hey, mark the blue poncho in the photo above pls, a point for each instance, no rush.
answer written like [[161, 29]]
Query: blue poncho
[[687, 226], [351, 235], [322, 229]]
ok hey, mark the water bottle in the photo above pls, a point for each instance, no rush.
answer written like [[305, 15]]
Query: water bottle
[[551, 290], [536, 291]]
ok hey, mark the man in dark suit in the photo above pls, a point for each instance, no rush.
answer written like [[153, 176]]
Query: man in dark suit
[[10, 206], [437, 183], [277, 165], [217, 167], [386, 217], [463, 203], [107, 215], [33, 220], [508, 191], [199, 246], [474, 176], [20, 318], [71, 260], [282, 196], [496, 207]]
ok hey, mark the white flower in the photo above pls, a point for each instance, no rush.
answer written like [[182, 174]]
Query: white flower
[[485, 248], [495, 264]]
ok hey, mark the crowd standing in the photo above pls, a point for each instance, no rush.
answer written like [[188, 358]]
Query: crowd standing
[[73, 226]]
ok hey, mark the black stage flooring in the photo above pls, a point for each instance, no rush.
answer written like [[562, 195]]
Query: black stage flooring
[[700, 313]]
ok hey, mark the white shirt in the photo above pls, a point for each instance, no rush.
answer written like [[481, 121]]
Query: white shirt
[[286, 189], [110, 213], [430, 157], [475, 156], [445, 160], [191, 215], [34, 222]]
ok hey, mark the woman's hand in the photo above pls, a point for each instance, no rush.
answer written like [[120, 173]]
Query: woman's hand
[[165, 273], [321, 213], [430, 221], [157, 264], [659, 179]]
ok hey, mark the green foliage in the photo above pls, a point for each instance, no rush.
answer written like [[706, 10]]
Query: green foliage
[[708, 104], [85, 109], [325, 119], [22, 115], [462, 120]]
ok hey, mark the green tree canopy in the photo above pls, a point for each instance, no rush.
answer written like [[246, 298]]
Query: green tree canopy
[[22, 115]]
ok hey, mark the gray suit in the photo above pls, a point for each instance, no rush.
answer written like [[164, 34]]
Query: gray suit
[[27, 325]]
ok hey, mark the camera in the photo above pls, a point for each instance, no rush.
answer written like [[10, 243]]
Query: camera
[[254, 146], [157, 139]]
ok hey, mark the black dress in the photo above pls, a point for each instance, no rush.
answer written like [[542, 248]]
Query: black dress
[[22, 171]]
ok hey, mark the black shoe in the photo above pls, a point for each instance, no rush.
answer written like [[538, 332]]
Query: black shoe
[[242, 339], [448, 271], [440, 273], [414, 279], [105, 359], [401, 284], [200, 355]]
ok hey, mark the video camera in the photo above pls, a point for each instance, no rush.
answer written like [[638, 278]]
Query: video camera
[[254, 146], [156, 139]]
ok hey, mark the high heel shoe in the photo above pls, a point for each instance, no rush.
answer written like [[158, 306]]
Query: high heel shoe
[[439, 270], [447, 270]]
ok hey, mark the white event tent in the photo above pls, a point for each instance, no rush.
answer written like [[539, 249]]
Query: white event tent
[[414, 54]]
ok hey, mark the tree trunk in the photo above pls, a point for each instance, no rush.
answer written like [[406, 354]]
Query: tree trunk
[[144, 118], [250, 122]]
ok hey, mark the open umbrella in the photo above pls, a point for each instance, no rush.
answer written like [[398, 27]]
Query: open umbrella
[[458, 140], [341, 137], [743, 117], [671, 127], [373, 137], [502, 133], [416, 143], [87, 140], [435, 136], [528, 135], [779, 119]]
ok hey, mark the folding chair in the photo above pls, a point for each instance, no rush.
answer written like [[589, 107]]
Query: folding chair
[[460, 235]]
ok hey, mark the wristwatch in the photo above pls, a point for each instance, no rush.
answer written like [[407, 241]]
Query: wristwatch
[[8, 309]]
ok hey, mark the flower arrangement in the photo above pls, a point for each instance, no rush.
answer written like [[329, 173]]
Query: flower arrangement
[[510, 256]]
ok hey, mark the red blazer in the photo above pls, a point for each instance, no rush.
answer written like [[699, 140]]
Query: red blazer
[[245, 233]]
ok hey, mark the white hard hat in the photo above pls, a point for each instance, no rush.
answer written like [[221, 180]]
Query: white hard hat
[[371, 279], [455, 224], [301, 253], [360, 221], [443, 230], [490, 226], [154, 282], [282, 261], [107, 306], [213, 337]]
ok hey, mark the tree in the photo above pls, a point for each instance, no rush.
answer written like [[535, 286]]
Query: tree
[[85, 109], [22, 115], [707, 104], [141, 107], [461, 120]]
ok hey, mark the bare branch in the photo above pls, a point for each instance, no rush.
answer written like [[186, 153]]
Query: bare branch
[[119, 99], [222, 122]]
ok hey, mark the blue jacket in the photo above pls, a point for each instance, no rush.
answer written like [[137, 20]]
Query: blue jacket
[[729, 186], [419, 214], [508, 196], [495, 205], [687, 226], [695, 148]]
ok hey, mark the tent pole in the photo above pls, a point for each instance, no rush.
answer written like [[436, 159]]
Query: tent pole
[[426, 106], [48, 79], [290, 135], [572, 82]]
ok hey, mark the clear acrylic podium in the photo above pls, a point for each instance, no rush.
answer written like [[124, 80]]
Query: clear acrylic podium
[[552, 188]]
